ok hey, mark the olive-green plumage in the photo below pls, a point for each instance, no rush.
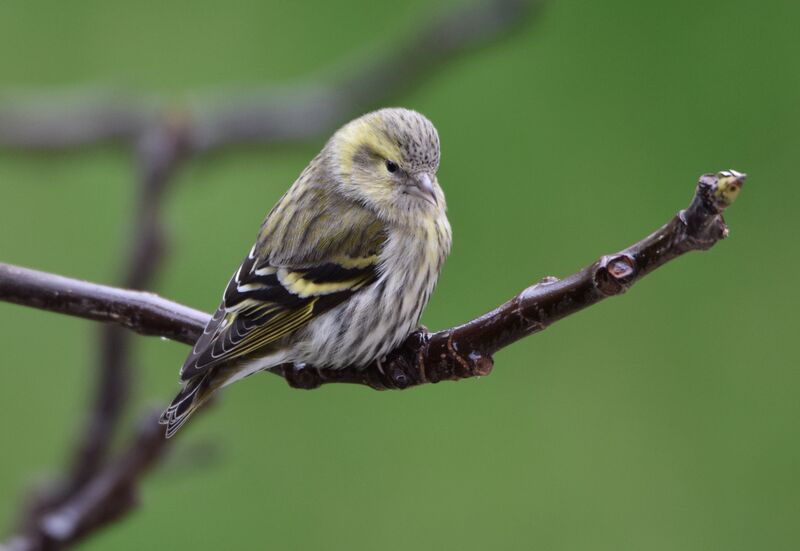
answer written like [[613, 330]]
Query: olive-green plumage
[[342, 266]]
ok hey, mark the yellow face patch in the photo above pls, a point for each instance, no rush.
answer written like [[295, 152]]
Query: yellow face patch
[[364, 133]]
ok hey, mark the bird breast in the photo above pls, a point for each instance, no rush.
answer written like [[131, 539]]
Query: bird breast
[[379, 317]]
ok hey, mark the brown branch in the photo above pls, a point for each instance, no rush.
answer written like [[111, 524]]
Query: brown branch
[[457, 353], [139, 311], [466, 350], [425, 357]]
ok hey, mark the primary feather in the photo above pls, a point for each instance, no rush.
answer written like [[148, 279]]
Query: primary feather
[[343, 264]]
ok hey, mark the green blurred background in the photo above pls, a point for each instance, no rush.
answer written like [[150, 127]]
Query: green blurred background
[[665, 419]]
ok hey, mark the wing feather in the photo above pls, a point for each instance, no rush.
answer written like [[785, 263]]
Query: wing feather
[[266, 301]]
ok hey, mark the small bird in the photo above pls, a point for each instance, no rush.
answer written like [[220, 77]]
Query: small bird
[[342, 267]]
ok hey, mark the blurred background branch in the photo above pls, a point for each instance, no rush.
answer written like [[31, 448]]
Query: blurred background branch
[[299, 114]]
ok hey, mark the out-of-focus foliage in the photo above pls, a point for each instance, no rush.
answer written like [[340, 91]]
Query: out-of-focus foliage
[[666, 419]]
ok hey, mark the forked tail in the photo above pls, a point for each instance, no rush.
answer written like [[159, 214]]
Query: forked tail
[[194, 393]]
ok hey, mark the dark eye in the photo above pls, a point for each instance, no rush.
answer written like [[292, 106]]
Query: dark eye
[[391, 166]]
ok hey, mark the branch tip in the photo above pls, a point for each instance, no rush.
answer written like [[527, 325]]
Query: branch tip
[[721, 189]]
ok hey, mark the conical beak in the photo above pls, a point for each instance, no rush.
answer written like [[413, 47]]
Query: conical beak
[[422, 186]]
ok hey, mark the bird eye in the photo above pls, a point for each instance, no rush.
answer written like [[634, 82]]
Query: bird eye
[[391, 166]]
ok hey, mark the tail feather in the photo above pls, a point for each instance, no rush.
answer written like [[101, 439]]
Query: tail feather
[[197, 390], [194, 393]]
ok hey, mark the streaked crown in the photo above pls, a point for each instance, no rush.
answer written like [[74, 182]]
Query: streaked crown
[[401, 135], [414, 135]]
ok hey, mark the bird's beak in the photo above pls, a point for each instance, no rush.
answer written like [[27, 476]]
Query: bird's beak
[[422, 186]]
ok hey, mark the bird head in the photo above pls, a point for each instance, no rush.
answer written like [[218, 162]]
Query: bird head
[[387, 161]]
